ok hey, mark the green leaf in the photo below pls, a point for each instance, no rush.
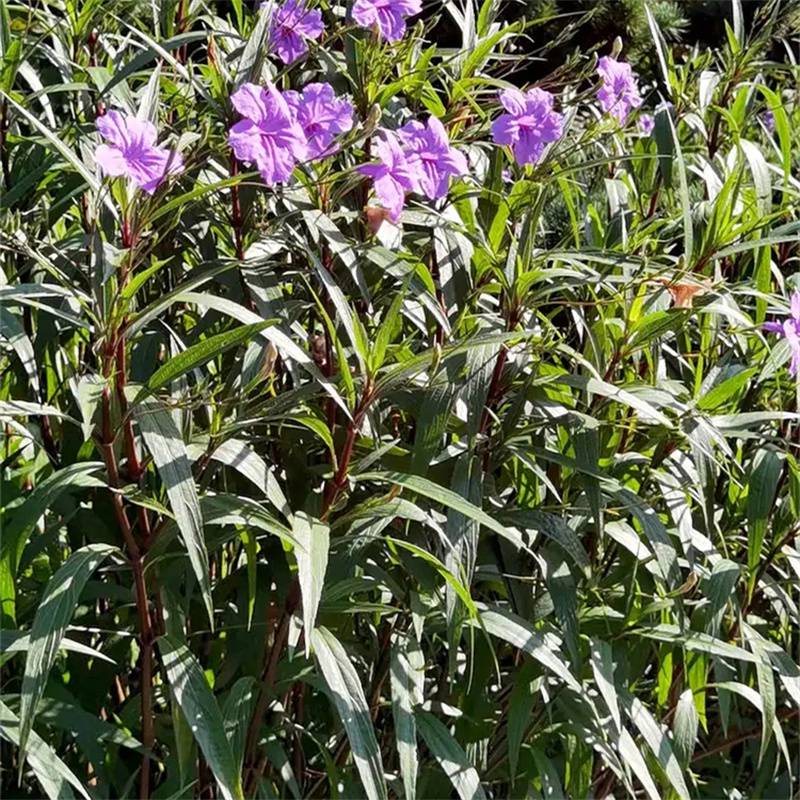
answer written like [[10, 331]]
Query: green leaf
[[407, 674], [761, 489], [313, 540], [684, 728], [236, 712], [451, 757], [54, 611], [200, 708], [54, 776], [17, 522], [543, 647], [348, 697], [197, 355], [447, 498], [65, 151], [165, 443]]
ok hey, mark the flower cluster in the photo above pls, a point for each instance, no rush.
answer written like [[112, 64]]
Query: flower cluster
[[529, 125], [132, 151], [290, 28], [293, 25], [388, 17], [417, 158], [279, 130], [619, 93], [789, 329]]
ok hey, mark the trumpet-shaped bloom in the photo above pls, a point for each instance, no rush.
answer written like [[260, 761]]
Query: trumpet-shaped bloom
[[619, 92], [789, 329], [321, 115], [396, 173], [131, 151], [530, 124], [291, 26], [646, 124], [388, 16], [438, 161], [269, 136]]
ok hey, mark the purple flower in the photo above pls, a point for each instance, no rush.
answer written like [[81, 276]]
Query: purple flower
[[768, 118], [132, 151], [530, 124], [321, 115], [646, 124], [269, 136], [290, 27], [619, 92], [396, 173], [789, 329], [437, 159], [388, 16]]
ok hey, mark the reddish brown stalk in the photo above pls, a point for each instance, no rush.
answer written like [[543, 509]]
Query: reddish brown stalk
[[339, 480], [739, 737], [145, 623], [236, 211], [280, 640], [293, 597]]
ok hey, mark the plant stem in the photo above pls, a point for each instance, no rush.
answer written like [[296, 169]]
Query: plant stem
[[140, 588]]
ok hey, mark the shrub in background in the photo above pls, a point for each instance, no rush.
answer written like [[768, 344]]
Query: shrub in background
[[375, 424]]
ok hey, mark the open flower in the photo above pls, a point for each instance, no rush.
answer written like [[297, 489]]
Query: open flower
[[789, 329], [646, 124], [269, 136], [388, 16], [438, 161], [321, 115], [291, 26], [131, 151], [619, 92], [396, 173], [530, 124]]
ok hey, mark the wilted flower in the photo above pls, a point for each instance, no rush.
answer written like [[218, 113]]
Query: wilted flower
[[269, 136], [530, 124], [396, 173], [619, 92], [789, 329], [132, 151], [290, 27], [438, 161], [321, 115], [646, 124], [388, 16]]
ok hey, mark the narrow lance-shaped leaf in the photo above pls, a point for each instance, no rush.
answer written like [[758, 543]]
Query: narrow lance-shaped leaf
[[313, 541], [52, 773], [348, 697], [200, 708], [165, 443], [53, 614], [451, 757], [406, 677]]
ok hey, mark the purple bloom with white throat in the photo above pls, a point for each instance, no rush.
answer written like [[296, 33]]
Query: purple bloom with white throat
[[321, 115], [132, 152], [291, 26], [619, 93], [529, 125], [269, 136], [387, 16], [789, 329], [646, 124], [438, 161], [396, 173]]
